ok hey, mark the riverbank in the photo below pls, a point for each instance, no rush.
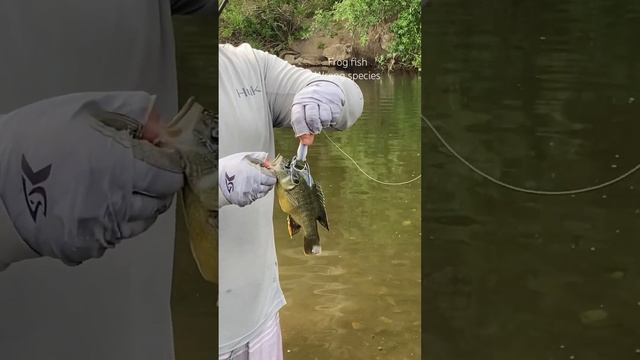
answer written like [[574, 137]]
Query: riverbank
[[343, 52], [347, 34]]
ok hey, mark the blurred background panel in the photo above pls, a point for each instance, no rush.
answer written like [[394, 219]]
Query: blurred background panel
[[193, 302], [545, 95]]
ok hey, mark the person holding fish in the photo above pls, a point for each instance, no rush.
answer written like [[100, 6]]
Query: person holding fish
[[257, 93]]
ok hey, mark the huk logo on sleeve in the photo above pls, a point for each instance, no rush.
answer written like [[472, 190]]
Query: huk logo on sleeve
[[247, 92], [229, 182], [35, 194]]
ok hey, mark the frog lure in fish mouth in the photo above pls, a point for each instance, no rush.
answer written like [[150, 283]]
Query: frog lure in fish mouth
[[302, 199]]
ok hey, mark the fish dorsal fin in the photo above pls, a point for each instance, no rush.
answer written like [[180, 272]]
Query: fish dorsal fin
[[322, 215]]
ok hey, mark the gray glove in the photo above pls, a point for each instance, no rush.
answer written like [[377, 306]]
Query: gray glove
[[317, 106], [74, 187], [242, 178]]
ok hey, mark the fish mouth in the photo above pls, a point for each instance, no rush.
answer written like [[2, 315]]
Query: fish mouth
[[277, 161], [280, 164]]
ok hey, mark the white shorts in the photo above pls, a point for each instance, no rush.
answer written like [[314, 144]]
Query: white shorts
[[266, 346]]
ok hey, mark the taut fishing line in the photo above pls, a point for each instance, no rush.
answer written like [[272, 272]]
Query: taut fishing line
[[520, 189], [365, 173]]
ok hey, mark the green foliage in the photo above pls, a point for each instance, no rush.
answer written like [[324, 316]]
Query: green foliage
[[323, 23], [360, 17], [266, 24], [274, 24], [407, 37]]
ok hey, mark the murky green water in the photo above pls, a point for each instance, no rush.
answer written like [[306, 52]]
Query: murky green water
[[361, 298], [542, 94], [193, 300]]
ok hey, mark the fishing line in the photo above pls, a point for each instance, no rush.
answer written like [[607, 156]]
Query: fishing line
[[222, 6], [365, 173], [524, 190]]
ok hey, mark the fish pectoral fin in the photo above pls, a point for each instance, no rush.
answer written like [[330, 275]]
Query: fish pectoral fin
[[292, 200], [293, 226], [322, 216]]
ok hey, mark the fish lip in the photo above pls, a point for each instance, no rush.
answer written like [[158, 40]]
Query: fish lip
[[277, 160]]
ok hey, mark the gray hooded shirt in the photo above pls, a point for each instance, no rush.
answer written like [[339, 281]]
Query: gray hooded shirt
[[255, 93]]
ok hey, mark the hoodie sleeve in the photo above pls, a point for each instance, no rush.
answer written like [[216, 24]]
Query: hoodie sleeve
[[283, 81], [189, 7]]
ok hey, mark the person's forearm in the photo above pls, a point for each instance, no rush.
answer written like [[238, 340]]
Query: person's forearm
[[12, 247], [222, 201], [283, 81]]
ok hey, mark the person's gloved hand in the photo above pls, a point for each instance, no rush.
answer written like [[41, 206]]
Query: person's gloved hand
[[243, 179], [73, 186], [315, 107]]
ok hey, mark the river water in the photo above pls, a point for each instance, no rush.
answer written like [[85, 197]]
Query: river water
[[360, 299], [546, 95]]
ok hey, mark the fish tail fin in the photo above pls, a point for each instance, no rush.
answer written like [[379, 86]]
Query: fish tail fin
[[312, 245]]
